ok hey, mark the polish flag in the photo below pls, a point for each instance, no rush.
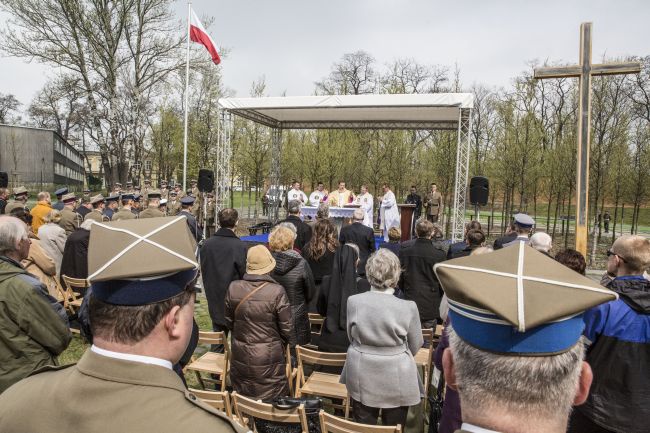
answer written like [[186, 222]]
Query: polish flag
[[199, 35]]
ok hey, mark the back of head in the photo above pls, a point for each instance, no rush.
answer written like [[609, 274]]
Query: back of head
[[572, 259], [12, 231], [437, 232], [228, 218], [424, 229], [473, 225], [323, 211], [358, 215], [294, 207], [635, 252], [43, 196], [541, 242], [324, 238], [53, 216], [22, 214], [475, 238], [383, 269], [394, 234], [281, 238]]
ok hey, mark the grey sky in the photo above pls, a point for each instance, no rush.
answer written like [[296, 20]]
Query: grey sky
[[294, 42]]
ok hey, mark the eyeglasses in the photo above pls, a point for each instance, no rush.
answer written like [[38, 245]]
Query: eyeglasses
[[612, 253]]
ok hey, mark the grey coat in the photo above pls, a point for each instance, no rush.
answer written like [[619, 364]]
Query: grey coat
[[53, 240], [385, 333]]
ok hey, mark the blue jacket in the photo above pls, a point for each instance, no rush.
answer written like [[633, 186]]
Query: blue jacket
[[619, 356]]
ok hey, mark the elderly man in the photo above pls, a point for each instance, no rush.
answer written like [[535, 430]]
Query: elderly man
[[618, 335], [34, 327], [40, 211], [418, 281], [361, 235], [141, 320], [515, 353], [303, 231], [75, 253], [20, 199], [70, 220], [542, 242]]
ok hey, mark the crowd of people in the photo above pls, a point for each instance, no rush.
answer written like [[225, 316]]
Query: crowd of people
[[526, 335]]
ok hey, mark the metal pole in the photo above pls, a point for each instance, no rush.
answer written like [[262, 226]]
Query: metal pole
[[187, 96]]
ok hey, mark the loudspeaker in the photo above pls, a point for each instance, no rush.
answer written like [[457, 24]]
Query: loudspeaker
[[4, 179], [479, 190], [206, 180]]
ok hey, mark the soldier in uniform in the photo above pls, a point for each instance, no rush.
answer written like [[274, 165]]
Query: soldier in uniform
[[137, 201], [211, 226], [97, 214], [194, 188], [173, 204], [59, 193], [146, 189], [129, 187], [186, 210], [86, 194], [152, 210], [117, 188], [111, 205], [141, 318], [163, 206], [126, 212], [164, 192], [179, 193], [20, 199], [70, 220], [433, 204], [84, 207]]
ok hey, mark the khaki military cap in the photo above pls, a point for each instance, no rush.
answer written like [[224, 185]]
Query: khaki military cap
[[97, 199], [20, 190], [154, 193], [518, 300], [68, 197]]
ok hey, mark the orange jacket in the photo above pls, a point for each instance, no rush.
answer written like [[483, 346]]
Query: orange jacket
[[39, 213]]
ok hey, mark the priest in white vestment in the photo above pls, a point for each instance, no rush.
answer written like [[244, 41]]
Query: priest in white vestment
[[295, 193], [388, 211], [365, 200], [318, 196]]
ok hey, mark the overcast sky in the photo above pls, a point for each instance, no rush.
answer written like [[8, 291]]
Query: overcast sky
[[294, 42]]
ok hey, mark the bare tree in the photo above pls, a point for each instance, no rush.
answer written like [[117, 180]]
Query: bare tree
[[8, 105], [353, 75]]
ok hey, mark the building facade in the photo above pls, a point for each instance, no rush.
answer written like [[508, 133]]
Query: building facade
[[39, 158]]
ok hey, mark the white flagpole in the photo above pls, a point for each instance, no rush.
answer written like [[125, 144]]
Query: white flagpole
[[187, 96]]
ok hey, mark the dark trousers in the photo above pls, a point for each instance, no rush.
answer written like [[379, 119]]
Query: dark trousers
[[432, 218], [579, 423], [218, 348], [389, 416]]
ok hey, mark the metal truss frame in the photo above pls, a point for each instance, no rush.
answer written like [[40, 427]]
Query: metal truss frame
[[462, 173], [222, 169], [275, 172]]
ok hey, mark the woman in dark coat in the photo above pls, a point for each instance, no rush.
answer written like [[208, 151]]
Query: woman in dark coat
[[293, 273], [259, 316], [319, 253], [337, 287]]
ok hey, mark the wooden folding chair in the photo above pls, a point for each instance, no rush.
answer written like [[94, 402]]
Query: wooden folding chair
[[321, 384], [219, 400], [333, 424], [211, 362], [424, 358], [72, 299], [316, 325], [247, 410]]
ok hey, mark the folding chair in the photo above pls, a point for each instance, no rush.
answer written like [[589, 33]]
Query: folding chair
[[219, 400], [333, 424], [211, 362], [316, 325], [424, 359], [72, 299], [321, 384], [247, 410]]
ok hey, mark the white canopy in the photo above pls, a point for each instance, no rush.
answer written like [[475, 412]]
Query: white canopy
[[387, 111]]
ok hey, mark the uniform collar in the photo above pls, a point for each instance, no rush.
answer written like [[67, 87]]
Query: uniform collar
[[131, 357], [630, 277], [475, 429]]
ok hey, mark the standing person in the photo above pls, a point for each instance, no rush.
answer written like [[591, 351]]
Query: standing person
[[187, 203], [366, 201], [337, 287], [164, 192], [523, 225], [302, 228], [259, 315], [223, 260], [174, 204], [59, 193], [295, 193], [394, 238], [74, 263], [433, 203], [53, 238], [516, 370], [511, 235], [319, 253], [152, 210], [341, 196], [211, 212], [141, 321], [419, 283], [33, 333], [84, 207], [4, 195], [318, 196], [360, 235], [97, 214], [414, 198], [606, 219], [137, 204], [40, 211], [474, 239], [618, 336], [127, 206], [292, 272], [20, 199], [69, 219], [372, 354], [111, 205], [388, 211]]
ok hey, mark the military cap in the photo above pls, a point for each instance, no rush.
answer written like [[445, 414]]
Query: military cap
[[136, 197], [68, 198], [118, 184], [113, 197], [173, 193], [147, 181], [86, 191], [163, 182], [97, 199], [518, 301], [128, 196], [187, 200], [524, 221], [20, 190], [129, 183], [61, 191], [154, 194], [193, 181], [163, 201], [163, 248], [137, 187]]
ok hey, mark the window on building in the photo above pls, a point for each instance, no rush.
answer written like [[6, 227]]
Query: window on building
[[148, 165]]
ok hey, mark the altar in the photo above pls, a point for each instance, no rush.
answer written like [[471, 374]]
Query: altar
[[338, 215]]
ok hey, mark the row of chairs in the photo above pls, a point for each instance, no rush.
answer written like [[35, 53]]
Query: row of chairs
[[243, 410]]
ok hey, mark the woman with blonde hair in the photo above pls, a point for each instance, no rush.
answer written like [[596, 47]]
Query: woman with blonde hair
[[53, 237], [293, 273]]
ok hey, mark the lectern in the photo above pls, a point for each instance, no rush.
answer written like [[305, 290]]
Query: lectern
[[406, 220]]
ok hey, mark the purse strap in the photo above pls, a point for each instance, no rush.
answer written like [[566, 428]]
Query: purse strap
[[251, 293]]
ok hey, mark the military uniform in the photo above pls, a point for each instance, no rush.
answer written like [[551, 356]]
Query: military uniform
[[14, 204], [96, 215], [433, 204], [124, 214], [173, 206], [70, 220], [151, 212]]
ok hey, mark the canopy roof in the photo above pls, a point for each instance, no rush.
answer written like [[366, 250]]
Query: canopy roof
[[388, 111]]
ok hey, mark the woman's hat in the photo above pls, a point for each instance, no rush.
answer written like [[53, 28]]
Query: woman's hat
[[259, 260]]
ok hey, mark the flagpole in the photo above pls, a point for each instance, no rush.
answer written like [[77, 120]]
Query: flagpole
[[187, 96]]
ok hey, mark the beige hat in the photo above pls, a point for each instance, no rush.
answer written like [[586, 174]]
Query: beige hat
[[68, 197], [20, 190], [259, 260], [97, 199]]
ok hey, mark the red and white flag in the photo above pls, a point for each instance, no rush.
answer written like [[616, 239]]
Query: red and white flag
[[199, 35]]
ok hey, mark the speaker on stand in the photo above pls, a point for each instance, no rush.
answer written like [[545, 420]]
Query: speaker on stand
[[479, 192], [206, 185]]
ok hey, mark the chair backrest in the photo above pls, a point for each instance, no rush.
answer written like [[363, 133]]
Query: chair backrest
[[246, 407], [212, 337], [427, 334], [334, 424], [75, 283], [316, 323], [219, 400], [314, 357]]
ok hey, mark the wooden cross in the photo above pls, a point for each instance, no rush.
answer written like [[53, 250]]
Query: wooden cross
[[584, 71]]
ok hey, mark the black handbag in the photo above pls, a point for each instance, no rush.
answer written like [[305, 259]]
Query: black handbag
[[312, 406]]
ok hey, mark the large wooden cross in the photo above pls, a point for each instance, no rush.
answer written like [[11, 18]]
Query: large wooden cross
[[584, 71]]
